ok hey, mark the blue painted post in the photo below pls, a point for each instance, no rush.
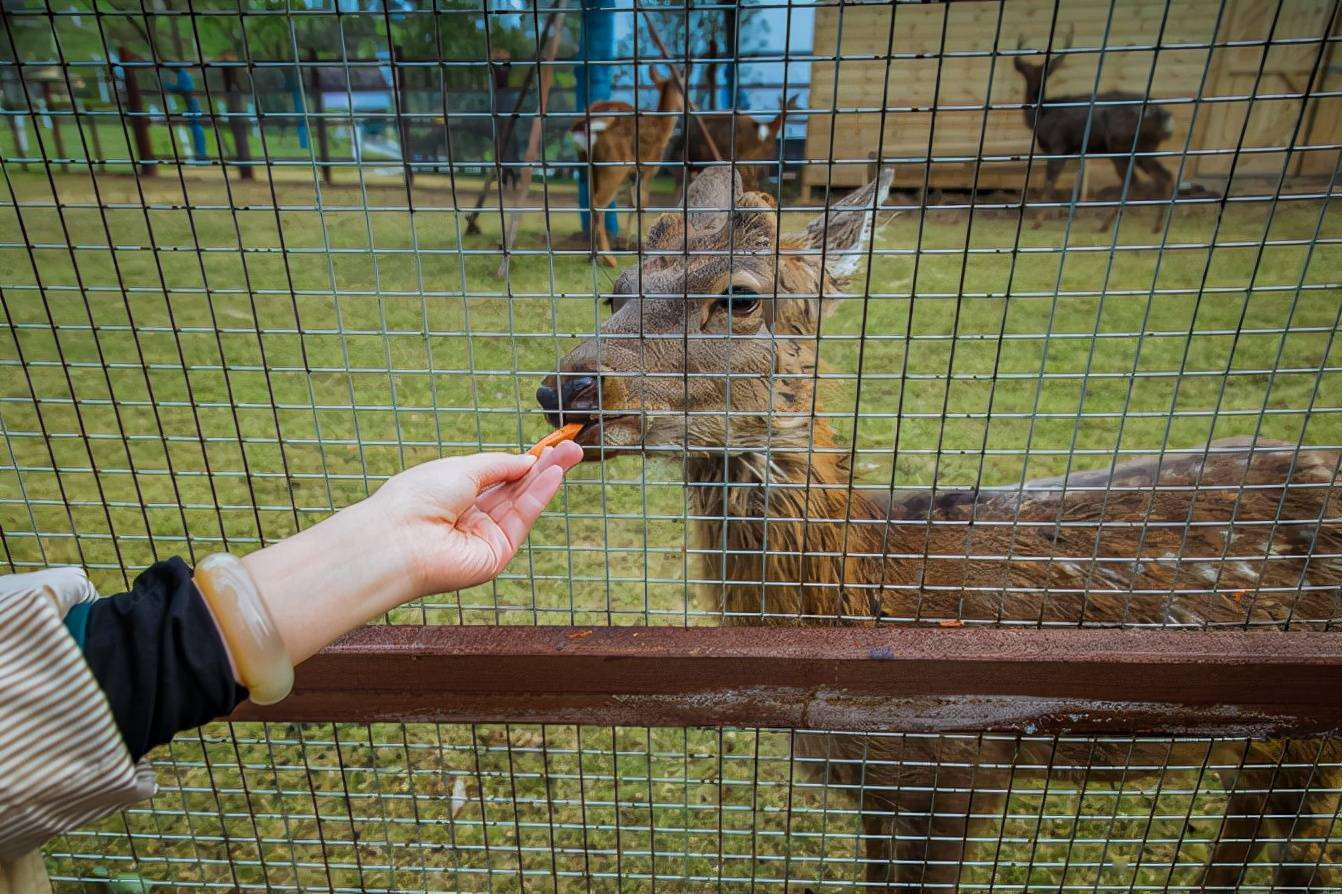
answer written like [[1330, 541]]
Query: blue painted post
[[295, 84], [187, 88], [592, 83], [729, 98]]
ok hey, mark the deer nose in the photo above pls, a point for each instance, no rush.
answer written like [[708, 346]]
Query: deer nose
[[568, 398]]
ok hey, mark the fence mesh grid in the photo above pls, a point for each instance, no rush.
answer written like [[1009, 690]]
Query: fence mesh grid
[[255, 259]]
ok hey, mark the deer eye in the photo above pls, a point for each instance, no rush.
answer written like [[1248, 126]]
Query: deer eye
[[738, 301]]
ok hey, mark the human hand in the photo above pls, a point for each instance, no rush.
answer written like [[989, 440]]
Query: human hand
[[464, 518], [444, 525]]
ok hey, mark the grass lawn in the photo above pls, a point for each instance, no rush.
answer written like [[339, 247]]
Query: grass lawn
[[190, 365]]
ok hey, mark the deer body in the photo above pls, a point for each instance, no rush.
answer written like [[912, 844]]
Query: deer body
[[741, 138], [1239, 533], [1124, 126], [620, 143]]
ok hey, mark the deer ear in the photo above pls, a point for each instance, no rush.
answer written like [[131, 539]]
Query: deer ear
[[843, 231], [710, 197]]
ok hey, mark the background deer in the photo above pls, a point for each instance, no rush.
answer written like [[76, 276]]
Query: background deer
[[1122, 131], [617, 143], [749, 139], [1239, 532]]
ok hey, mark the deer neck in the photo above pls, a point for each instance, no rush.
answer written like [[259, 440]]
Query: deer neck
[[1033, 97], [772, 530]]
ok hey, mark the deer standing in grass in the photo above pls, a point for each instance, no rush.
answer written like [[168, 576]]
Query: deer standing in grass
[[753, 143], [617, 142], [1237, 533], [1124, 126]]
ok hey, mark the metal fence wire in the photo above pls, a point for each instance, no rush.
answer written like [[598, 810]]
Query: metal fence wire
[[927, 273]]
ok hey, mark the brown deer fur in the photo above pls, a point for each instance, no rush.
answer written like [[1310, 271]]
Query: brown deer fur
[[1236, 533], [748, 139], [612, 137]]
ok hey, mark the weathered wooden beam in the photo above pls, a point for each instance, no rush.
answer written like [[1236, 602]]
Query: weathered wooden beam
[[898, 679]]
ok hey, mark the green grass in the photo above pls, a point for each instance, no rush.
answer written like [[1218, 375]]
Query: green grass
[[238, 371], [411, 347]]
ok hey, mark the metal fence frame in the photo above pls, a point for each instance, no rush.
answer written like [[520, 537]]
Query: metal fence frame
[[256, 478]]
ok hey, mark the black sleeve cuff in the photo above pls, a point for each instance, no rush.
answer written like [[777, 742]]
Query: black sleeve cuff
[[159, 658]]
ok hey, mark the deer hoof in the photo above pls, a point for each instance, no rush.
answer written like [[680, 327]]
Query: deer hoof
[[607, 260]]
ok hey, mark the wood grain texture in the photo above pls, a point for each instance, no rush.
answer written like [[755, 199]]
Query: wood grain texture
[[898, 679], [888, 88]]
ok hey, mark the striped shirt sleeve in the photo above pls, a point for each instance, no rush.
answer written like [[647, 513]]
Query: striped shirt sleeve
[[63, 762]]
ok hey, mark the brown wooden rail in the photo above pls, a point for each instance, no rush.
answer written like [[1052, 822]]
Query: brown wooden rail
[[907, 679]]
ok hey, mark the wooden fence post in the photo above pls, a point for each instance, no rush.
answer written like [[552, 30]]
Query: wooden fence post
[[399, 97], [242, 146], [57, 138], [139, 124]]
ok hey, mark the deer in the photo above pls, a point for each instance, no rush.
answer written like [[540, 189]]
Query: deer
[[616, 141], [709, 358], [750, 140], [1122, 125]]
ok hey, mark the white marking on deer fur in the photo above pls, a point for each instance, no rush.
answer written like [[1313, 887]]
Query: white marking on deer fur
[[763, 131], [1246, 569], [585, 133]]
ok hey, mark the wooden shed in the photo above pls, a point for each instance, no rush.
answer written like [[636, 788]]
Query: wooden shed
[[934, 83]]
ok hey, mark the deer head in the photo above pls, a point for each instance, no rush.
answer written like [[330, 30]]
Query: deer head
[[711, 343], [768, 133], [669, 95], [1035, 74]]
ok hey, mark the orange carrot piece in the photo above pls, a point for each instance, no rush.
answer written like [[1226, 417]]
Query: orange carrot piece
[[567, 433]]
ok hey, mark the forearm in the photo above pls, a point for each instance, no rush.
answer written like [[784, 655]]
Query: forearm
[[333, 577]]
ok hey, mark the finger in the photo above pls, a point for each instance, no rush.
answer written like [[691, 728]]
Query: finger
[[528, 505], [493, 497], [484, 469], [567, 454]]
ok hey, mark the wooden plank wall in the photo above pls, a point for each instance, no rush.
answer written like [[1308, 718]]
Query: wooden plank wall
[[868, 101]]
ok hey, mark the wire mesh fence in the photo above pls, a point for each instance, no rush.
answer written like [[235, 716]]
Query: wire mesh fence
[[473, 808], [254, 261]]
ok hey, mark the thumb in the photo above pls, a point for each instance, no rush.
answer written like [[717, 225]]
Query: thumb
[[485, 469]]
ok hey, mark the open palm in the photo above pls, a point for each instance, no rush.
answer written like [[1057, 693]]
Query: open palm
[[465, 517]]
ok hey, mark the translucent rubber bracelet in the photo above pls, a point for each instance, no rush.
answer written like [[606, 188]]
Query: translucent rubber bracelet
[[246, 627]]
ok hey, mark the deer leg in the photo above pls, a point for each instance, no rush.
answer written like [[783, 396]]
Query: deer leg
[[1052, 169], [878, 830], [1122, 167], [601, 199], [1246, 774], [1302, 807], [601, 239], [1164, 186], [644, 198], [934, 832], [1235, 844]]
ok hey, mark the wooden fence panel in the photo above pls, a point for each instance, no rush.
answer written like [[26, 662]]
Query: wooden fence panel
[[917, 70]]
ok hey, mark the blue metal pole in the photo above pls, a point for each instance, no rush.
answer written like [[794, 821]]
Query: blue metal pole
[[730, 99], [295, 84], [187, 87], [592, 83]]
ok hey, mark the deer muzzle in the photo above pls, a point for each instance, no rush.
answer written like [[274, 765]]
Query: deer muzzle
[[569, 397]]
